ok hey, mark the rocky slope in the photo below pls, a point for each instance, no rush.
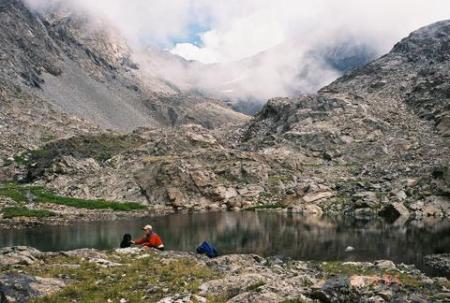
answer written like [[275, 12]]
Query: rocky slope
[[377, 131], [81, 66], [135, 275], [372, 143]]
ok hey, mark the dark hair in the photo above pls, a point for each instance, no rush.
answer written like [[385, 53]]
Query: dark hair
[[126, 241]]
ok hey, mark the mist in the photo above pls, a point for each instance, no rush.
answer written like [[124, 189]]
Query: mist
[[258, 49]]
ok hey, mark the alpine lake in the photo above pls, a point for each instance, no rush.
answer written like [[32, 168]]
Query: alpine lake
[[259, 232]]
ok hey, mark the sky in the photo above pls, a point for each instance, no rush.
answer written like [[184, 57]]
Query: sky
[[224, 32]]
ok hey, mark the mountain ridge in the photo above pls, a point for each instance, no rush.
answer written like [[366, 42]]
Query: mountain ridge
[[356, 148], [84, 68]]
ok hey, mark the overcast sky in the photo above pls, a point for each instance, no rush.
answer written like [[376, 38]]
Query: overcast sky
[[227, 30]]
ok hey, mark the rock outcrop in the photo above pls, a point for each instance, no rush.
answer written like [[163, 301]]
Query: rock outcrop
[[376, 133], [184, 277]]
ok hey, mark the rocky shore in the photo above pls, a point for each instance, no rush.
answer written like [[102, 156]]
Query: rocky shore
[[139, 275]]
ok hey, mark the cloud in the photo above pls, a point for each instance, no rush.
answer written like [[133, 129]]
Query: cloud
[[261, 48], [191, 51], [262, 24]]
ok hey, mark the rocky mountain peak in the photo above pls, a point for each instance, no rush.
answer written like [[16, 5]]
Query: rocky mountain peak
[[430, 43]]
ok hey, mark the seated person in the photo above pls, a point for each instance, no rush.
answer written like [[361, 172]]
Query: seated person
[[150, 239]]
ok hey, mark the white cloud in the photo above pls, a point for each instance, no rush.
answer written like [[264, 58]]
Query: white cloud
[[242, 31], [190, 51], [280, 33]]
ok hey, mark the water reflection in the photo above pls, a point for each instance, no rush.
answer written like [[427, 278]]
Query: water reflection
[[249, 232]]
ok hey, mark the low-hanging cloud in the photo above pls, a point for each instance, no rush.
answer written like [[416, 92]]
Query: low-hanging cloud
[[260, 48]]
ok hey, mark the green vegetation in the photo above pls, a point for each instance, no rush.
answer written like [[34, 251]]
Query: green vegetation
[[100, 147], [48, 197], [407, 280], [256, 285], [147, 279], [11, 212], [21, 159], [346, 269], [13, 192], [47, 136], [38, 194], [276, 179], [266, 206]]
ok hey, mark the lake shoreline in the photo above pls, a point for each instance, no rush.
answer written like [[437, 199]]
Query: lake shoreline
[[140, 275], [64, 215]]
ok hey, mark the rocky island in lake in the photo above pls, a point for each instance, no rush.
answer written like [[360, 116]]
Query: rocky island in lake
[[94, 128]]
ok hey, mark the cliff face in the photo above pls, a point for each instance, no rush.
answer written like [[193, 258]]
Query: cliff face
[[82, 67]]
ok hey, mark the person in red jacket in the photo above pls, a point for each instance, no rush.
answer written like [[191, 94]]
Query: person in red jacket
[[150, 239]]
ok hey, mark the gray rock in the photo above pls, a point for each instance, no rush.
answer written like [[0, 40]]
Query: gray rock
[[385, 265], [16, 287], [18, 255], [394, 210]]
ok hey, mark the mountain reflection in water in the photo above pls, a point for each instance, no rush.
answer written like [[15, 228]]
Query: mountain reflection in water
[[263, 233]]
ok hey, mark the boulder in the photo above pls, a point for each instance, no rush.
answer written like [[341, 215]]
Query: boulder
[[251, 191], [202, 178], [16, 255], [385, 265], [394, 210], [306, 209], [86, 253], [335, 289], [18, 287], [175, 196], [400, 195], [104, 262], [313, 197], [223, 193]]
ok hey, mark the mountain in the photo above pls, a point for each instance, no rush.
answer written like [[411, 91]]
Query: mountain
[[373, 142], [81, 66], [290, 69], [379, 133]]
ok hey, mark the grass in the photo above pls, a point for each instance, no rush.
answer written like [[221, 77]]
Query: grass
[[48, 197], [11, 212], [408, 280], [39, 194], [100, 147], [13, 192], [137, 280], [276, 179], [265, 206], [17, 159]]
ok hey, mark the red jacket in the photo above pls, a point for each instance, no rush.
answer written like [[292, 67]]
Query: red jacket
[[152, 240]]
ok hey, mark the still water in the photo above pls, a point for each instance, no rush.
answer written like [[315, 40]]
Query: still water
[[263, 233]]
